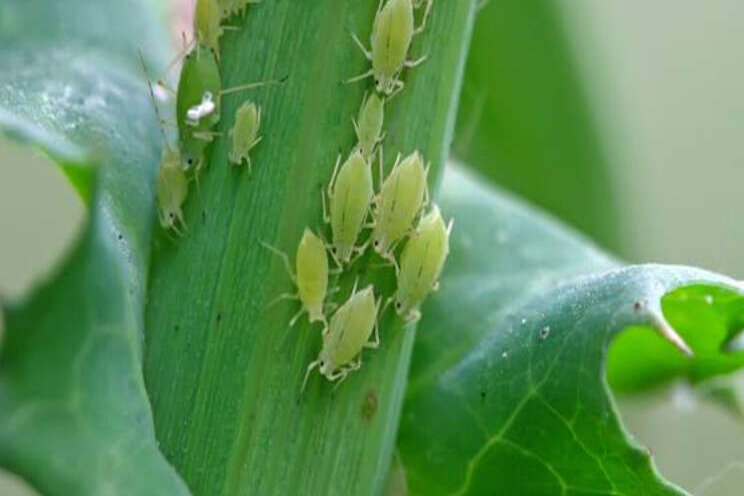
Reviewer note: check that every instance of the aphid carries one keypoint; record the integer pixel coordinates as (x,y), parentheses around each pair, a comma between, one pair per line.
(348,333)
(198,103)
(369,126)
(350,193)
(421,264)
(390,40)
(172,189)
(401,198)
(245,132)
(230,7)
(172,185)
(207,28)
(312,276)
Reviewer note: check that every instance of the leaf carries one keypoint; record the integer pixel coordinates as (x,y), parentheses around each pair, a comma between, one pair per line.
(507,391)
(74,414)
(524,120)
(706,318)
(222,368)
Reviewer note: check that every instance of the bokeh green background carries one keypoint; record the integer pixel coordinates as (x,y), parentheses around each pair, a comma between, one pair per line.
(664,85)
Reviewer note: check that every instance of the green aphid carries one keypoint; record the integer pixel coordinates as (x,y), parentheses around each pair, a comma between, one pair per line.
(350,193)
(172,189)
(392,33)
(198,103)
(244,133)
(311,279)
(421,264)
(207,24)
(347,334)
(402,196)
(230,7)
(369,126)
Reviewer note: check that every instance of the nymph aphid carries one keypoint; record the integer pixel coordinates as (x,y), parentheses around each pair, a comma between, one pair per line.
(402,196)
(369,126)
(207,29)
(350,192)
(198,103)
(392,33)
(172,189)
(348,333)
(311,280)
(421,264)
(244,133)
(230,7)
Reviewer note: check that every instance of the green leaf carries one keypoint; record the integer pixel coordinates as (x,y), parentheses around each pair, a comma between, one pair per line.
(524,120)
(222,368)
(74,414)
(507,391)
(706,318)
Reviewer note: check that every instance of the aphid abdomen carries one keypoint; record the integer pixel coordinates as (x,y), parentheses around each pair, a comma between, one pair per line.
(350,200)
(312,274)
(172,189)
(369,127)
(245,132)
(199,75)
(354,323)
(400,200)
(391,37)
(207,17)
(422,262)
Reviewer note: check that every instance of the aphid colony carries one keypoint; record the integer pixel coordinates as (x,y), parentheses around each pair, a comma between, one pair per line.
(198,111)
(396,215)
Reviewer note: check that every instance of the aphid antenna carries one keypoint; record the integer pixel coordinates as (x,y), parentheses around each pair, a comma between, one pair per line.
(330,248)
(250,86)
(187,46)
(152,99)
(425,18)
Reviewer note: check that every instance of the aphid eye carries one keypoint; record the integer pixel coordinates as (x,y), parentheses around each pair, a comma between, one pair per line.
(398,305)
(377,243)
(334,250)
(171,215)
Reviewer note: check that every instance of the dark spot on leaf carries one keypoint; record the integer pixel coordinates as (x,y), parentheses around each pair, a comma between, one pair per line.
(176,328)
(483,395)
(219,317)
(369,405)
(637,306)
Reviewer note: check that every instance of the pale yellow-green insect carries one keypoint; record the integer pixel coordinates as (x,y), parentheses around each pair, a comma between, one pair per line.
(392,33)
(347,334)
(350,193)
(172,189)
(311,280)
(421,264)
(207,28)
(401,198)
(369,125)
(245,133)
(230,7)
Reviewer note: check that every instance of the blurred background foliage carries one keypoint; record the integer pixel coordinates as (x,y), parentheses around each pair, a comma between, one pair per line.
(623,118)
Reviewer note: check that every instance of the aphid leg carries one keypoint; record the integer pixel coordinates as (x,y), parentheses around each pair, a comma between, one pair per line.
(354,288)
(333,176)
(344,372)
(375,343)
(206,135)
(310,368)
(435,287)
(296,317)
(415,62)
(450,225)
(284,258)
(250,86)
(398,87)
(283,296)
(425,18)
(364,75)
(367,53)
